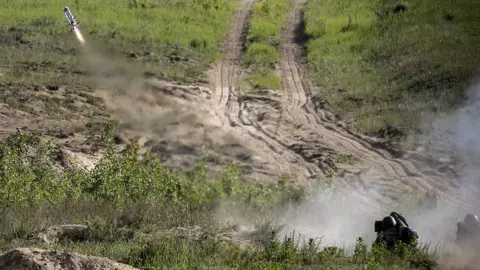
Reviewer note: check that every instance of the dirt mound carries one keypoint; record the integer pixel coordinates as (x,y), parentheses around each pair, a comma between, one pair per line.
(39,259)
(70,232)
(243,237)
(84,161)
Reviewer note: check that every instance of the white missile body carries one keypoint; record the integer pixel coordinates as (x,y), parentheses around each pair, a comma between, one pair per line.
(70,18)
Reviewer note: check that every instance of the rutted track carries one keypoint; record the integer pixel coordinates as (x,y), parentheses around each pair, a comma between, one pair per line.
(398,173)
(306,137)
(228,105)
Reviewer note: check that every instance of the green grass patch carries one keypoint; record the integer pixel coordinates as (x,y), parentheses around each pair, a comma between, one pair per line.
(380,63)
(174,37)
(265,80)
(263,42)
(261,55)
(278,254)
(343,158)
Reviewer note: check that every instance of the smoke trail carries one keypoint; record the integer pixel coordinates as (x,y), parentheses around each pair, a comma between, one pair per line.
(79,35)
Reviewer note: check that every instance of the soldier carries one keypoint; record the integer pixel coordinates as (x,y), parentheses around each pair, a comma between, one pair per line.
(392,229)
(468,235)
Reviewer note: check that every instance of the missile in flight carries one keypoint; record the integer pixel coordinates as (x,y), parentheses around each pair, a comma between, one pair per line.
(70,18)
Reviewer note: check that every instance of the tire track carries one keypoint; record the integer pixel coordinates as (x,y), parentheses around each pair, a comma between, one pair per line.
(299,106)
(297,98)
(230,108)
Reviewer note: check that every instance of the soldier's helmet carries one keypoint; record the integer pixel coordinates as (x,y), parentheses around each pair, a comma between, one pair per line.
(388,222)
(407,235)
(471,221)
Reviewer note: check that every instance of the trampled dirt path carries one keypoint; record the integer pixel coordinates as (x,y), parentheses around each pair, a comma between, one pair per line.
(293,135)
(229,106)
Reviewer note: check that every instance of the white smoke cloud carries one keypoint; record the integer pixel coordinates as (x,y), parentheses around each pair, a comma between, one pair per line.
(340,216)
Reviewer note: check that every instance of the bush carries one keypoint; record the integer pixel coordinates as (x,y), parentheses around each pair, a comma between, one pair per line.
(29,178)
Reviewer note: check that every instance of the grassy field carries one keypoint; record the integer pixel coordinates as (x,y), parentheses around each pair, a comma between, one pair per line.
(127,203)
(263,42)
(172,39)
(382,63)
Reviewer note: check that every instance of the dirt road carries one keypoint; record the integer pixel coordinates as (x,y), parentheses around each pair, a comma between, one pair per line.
(293,135)
(231,108)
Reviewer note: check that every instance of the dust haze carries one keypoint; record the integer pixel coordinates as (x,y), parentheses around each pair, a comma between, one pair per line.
(460,131)
(335,216)
(456,133)
(339,215)
(172,120)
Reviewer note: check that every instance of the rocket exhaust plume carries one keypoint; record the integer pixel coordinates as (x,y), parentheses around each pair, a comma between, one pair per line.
(79,35)
(73,22)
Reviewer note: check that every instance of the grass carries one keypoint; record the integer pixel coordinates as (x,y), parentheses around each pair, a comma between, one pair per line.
(378,67)
(128,199)
(181,38)
(263,42)
(343,158)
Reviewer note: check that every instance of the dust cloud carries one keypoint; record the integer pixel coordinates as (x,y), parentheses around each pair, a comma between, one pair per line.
(459,134)
(172,120)
(336,217)
(456,135)
(339,215)
(127,96)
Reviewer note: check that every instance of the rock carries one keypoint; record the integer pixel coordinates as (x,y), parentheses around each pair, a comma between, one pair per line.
(118,139)
(194,233)
(240,236)
(269,92)
(70,232)
(86,162)
(445,160)
(52,87)
(39,259)
(400,8)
